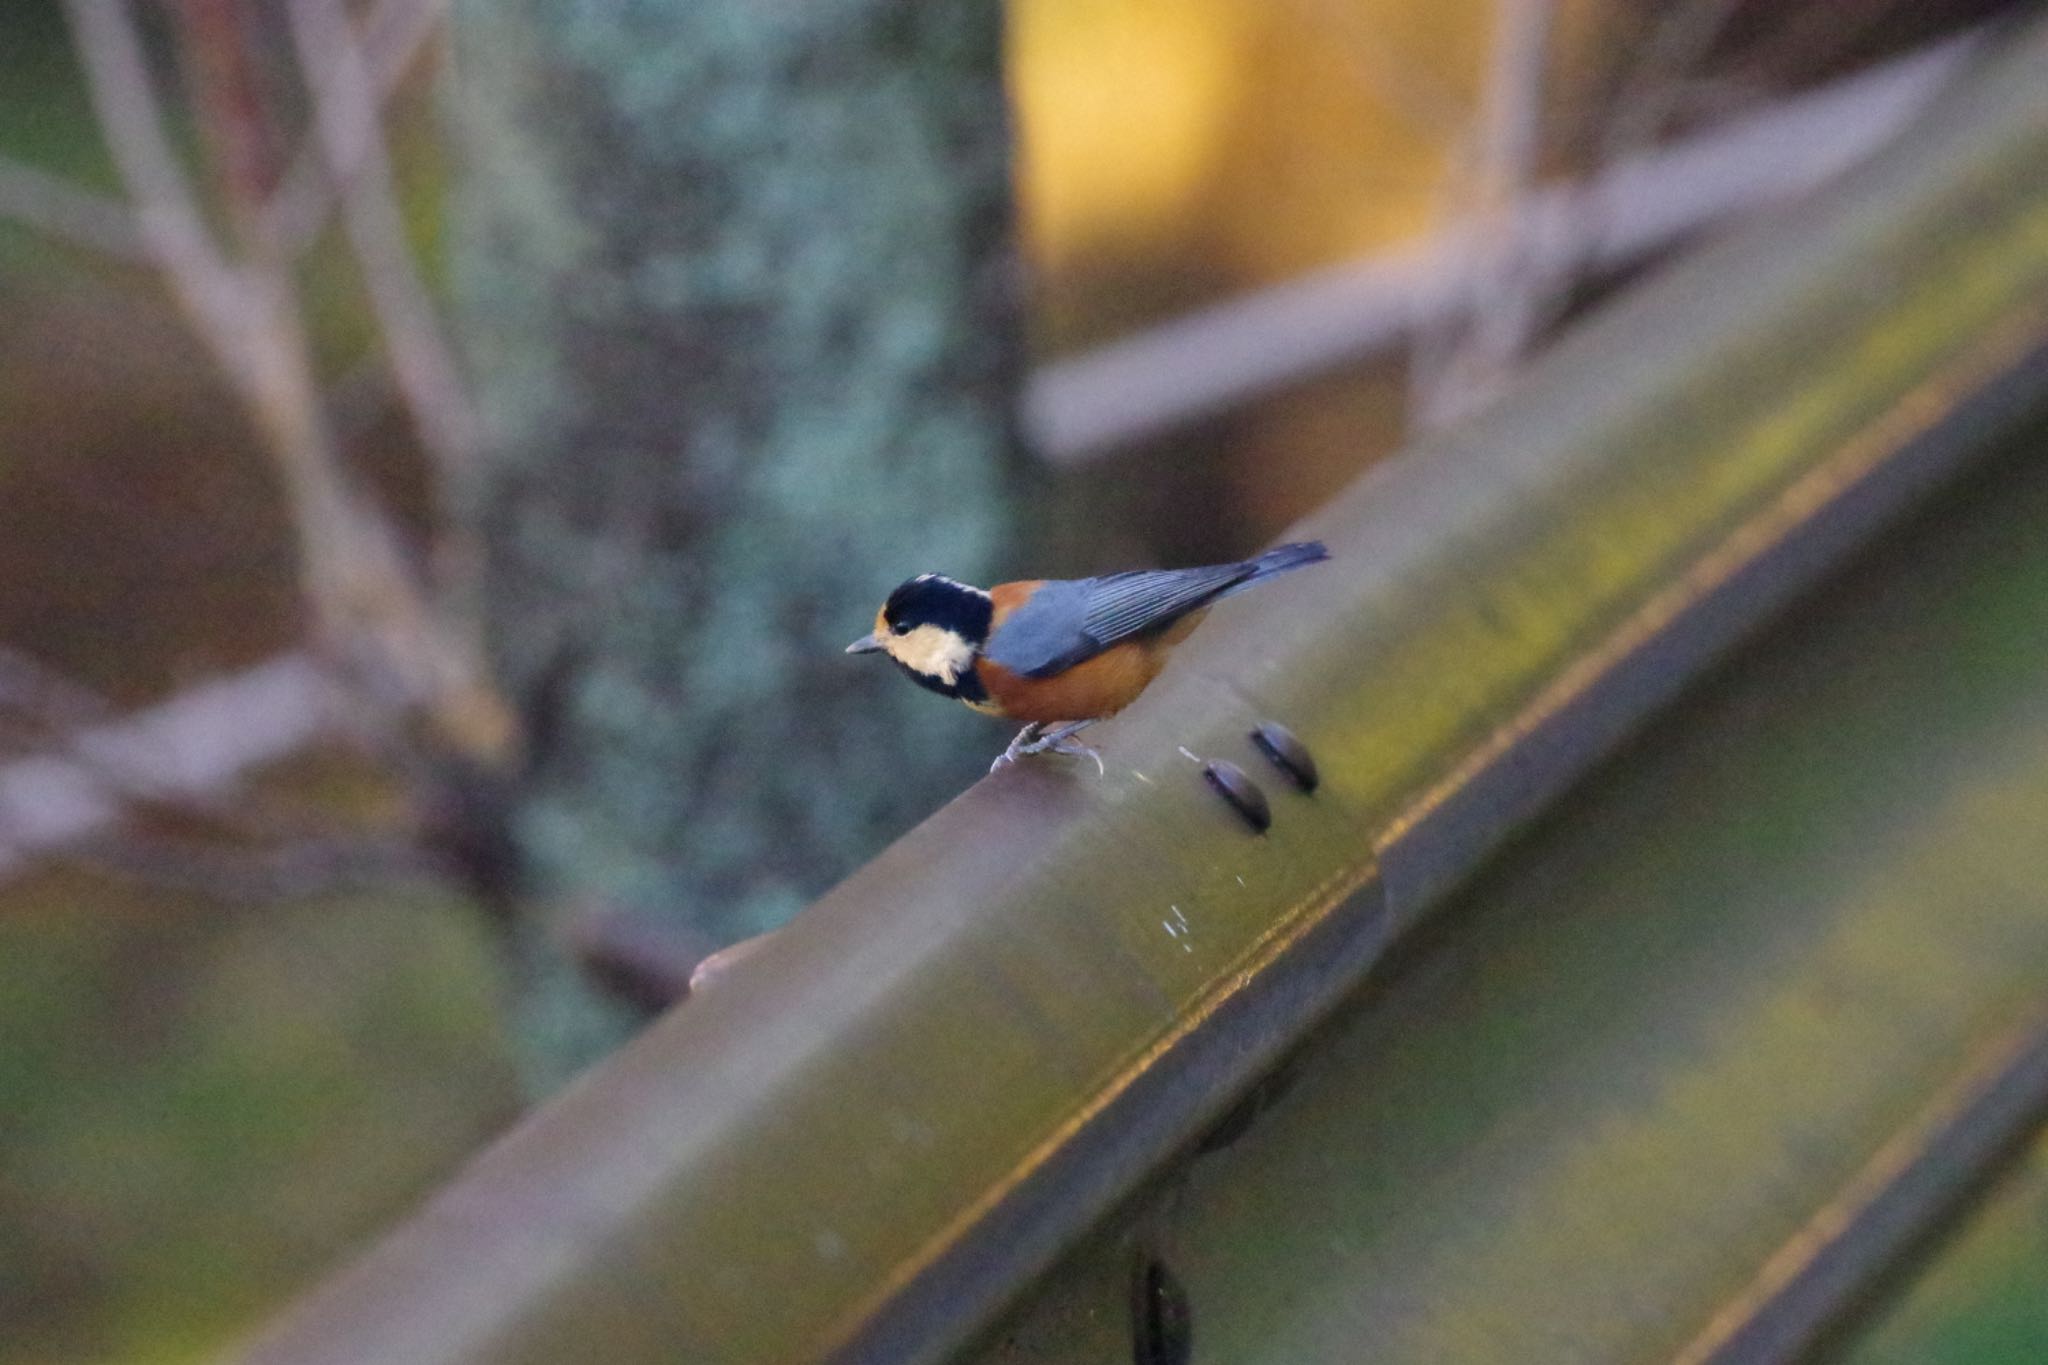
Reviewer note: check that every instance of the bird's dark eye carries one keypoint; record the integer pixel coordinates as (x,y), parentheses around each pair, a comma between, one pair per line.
(901,627)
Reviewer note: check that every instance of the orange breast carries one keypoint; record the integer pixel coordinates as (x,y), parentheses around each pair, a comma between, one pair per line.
(1097,687)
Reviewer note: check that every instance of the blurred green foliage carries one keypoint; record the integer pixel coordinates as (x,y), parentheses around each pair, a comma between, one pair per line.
(200,1109)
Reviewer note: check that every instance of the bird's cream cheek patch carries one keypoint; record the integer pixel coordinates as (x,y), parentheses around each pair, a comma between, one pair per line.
(932,650)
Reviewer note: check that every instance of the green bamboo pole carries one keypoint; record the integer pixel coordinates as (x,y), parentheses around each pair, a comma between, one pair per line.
(895,1114)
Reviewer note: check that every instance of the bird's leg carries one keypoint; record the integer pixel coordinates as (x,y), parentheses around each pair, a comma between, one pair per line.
(1060,740)
(1020,745)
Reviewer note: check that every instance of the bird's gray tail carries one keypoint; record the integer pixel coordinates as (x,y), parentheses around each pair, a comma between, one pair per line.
(1279,560)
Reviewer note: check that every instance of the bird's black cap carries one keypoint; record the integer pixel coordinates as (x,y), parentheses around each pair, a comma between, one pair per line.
(933,600)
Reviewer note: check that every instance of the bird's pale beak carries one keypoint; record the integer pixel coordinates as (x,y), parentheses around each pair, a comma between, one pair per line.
(866,644)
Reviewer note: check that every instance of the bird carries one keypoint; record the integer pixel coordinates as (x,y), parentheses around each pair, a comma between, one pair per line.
(1057,654)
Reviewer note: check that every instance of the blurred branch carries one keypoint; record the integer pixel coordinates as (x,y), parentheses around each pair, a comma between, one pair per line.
(174,236)
(183,750)
(48,703)
(1525,302)
(102,781)
(232,112)
(1487,335)
(54,206)
(55,716)
(1655,84)
(373,614)
(395,36)
(1211,360)
(1511,126)
(346,121)
(397,32)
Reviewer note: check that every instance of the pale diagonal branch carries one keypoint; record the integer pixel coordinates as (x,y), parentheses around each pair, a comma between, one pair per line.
(1488,335)
(166,212)
(1656,82)
(373,613)
(397,33)
(185,749)
(55,207)
(351,138)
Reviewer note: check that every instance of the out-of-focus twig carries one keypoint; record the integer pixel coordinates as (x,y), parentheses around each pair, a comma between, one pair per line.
(713,968)
(373,613)
(192,747)
(49,704)
(94,781)
(166,212)
(54,206)
(1485,338)
(345,117)
(1657,81)
(234,114)
(49,714)
(396,34)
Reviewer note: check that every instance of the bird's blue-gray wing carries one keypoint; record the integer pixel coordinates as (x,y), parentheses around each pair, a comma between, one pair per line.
(1066,622)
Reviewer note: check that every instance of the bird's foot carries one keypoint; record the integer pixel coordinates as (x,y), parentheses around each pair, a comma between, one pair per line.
(1059,740)
(1020,745)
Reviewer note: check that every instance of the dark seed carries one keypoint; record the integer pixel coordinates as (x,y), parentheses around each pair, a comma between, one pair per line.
(1287,753)
(1241,792)
(1162,1319)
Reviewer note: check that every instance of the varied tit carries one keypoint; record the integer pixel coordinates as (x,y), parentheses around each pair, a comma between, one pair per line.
(1058,653)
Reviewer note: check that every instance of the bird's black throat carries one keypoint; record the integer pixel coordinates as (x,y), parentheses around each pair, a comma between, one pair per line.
(966,687)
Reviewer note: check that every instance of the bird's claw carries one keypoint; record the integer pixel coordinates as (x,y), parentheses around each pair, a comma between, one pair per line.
(1061,741)
(1074,748)
(1020,745)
